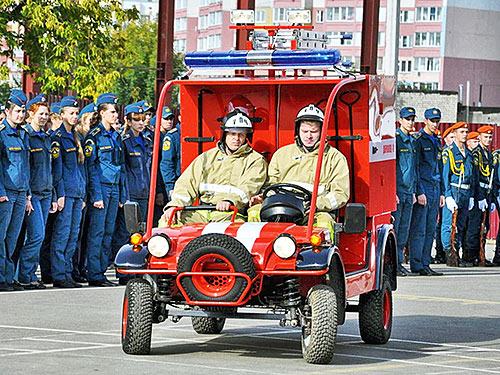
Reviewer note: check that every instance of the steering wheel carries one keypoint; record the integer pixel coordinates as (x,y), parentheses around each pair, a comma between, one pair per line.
(298,191)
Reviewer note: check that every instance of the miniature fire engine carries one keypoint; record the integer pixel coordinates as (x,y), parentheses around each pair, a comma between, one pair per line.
(302,276)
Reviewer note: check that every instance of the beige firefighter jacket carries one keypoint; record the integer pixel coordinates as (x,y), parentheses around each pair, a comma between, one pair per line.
(292,165)
(215,176)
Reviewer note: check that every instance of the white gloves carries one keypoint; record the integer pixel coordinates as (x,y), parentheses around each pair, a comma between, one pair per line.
(471,203)
(451,204)
(482,204)
(493,207)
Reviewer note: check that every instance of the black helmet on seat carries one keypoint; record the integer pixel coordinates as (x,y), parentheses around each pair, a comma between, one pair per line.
(283,208)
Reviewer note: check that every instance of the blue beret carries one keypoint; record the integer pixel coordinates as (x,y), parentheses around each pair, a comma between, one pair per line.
(133,108)
(167,112)
(69,101)
(40,98)
(89,108)
(152,121)
(407,112)
(108,97)
(18,97)
(432,113)
(145,105)
(55,107)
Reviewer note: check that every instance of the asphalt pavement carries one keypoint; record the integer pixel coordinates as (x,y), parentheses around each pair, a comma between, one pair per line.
(442,325)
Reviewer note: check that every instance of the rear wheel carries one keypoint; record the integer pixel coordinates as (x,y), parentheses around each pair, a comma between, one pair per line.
(137,317)
(320,331)
(375,315)
(210,326)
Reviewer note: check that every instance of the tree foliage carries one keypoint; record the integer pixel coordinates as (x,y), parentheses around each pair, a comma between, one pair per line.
(71,44)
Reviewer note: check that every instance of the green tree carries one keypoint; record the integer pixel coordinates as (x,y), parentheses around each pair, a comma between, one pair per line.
(68,41)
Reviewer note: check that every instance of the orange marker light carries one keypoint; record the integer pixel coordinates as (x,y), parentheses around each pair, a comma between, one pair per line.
(315,240)
(136,239)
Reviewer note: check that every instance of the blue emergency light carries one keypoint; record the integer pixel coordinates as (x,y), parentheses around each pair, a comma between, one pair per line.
(257,58)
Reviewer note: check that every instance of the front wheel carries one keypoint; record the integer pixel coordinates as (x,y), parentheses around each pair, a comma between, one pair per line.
(375,315)
(320,331)
(137,317)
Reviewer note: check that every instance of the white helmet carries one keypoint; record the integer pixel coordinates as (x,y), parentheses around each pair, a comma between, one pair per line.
(237,122)
(310,113)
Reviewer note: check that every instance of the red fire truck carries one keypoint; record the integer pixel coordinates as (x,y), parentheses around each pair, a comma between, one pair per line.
(300,275)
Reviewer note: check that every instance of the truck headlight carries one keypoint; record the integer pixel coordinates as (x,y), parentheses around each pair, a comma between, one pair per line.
(284,246)
(159,245)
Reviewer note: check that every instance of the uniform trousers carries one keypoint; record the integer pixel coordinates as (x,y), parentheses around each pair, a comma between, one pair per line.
(11,219)
(29,257)
(402,219)
(474,232)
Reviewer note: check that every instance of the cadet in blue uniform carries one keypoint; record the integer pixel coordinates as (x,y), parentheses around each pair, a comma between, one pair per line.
(107,186)
(496,198)
(170,164)
(69,181)
(14,184)
(43,197)
(405,182)
(429,198)
(458,180)
(483,168)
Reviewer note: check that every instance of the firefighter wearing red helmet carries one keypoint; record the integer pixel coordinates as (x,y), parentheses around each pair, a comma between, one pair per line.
(296,164)
(226,175)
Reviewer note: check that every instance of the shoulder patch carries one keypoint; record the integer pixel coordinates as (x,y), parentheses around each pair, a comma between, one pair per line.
(417,135)
(172,131)
(166,144)
(2,127)
(147,138)
(58,133)
(94,131)
(55,149)
(89,147)
(125,137)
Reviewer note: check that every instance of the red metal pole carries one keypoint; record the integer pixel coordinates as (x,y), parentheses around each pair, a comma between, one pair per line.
(165,47)
(154,166)
(322,142)
(242,35)
(369,36)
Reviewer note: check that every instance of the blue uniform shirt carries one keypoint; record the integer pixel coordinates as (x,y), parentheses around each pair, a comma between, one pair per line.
(69,175)
(105,162)
(40,162)
(137,164)
(170,164)
(405,164)
(15,150)
(483,167)
(455,164)
(428,155)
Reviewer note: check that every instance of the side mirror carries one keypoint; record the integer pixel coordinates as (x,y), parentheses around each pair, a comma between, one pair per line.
(132,213)
(355,218)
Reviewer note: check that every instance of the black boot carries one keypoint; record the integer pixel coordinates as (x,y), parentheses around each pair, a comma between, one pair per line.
(451,257)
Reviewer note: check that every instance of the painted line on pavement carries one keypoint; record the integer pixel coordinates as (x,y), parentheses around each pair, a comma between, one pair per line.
(445,299)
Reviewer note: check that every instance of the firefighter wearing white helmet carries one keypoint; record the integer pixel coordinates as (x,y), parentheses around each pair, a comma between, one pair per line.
(296,164)
(226,175)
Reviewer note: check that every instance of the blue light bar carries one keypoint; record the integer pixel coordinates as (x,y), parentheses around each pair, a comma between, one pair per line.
(263,58)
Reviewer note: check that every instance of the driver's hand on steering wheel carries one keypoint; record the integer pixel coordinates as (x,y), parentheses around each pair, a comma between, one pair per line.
(168,212)
(256,199)
(223,206)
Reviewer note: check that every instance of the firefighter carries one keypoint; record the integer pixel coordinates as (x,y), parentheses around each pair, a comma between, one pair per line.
(429,198)
(14,184)
(483,167)
(226,175)
(458,179)
(405,182)
(107,186)
(296,164)
(170,165)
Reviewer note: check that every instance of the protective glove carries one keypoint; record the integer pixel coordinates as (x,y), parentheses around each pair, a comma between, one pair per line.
(482,204)
(471,203)
(451,204)
(493,207)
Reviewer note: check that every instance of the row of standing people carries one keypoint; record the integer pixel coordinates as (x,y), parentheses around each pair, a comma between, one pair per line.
(452,182)
(79,167)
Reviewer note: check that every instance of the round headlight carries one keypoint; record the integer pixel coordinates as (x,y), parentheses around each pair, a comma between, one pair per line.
(159,245)
(284,246)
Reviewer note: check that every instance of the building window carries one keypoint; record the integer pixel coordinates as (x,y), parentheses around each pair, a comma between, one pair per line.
(406,16)
(280,15)
(203,22)
(429,14)
(381,14)
(214,41)
(180,45)
(260,16)
(215,18)
(180,24)
(319,16)
(427,39)
(335,39)
(181,4)
(427,64)
(380,63)
(426,85)
(340,13)
(381,38)
(405,41)
(404,66)
(204,3)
